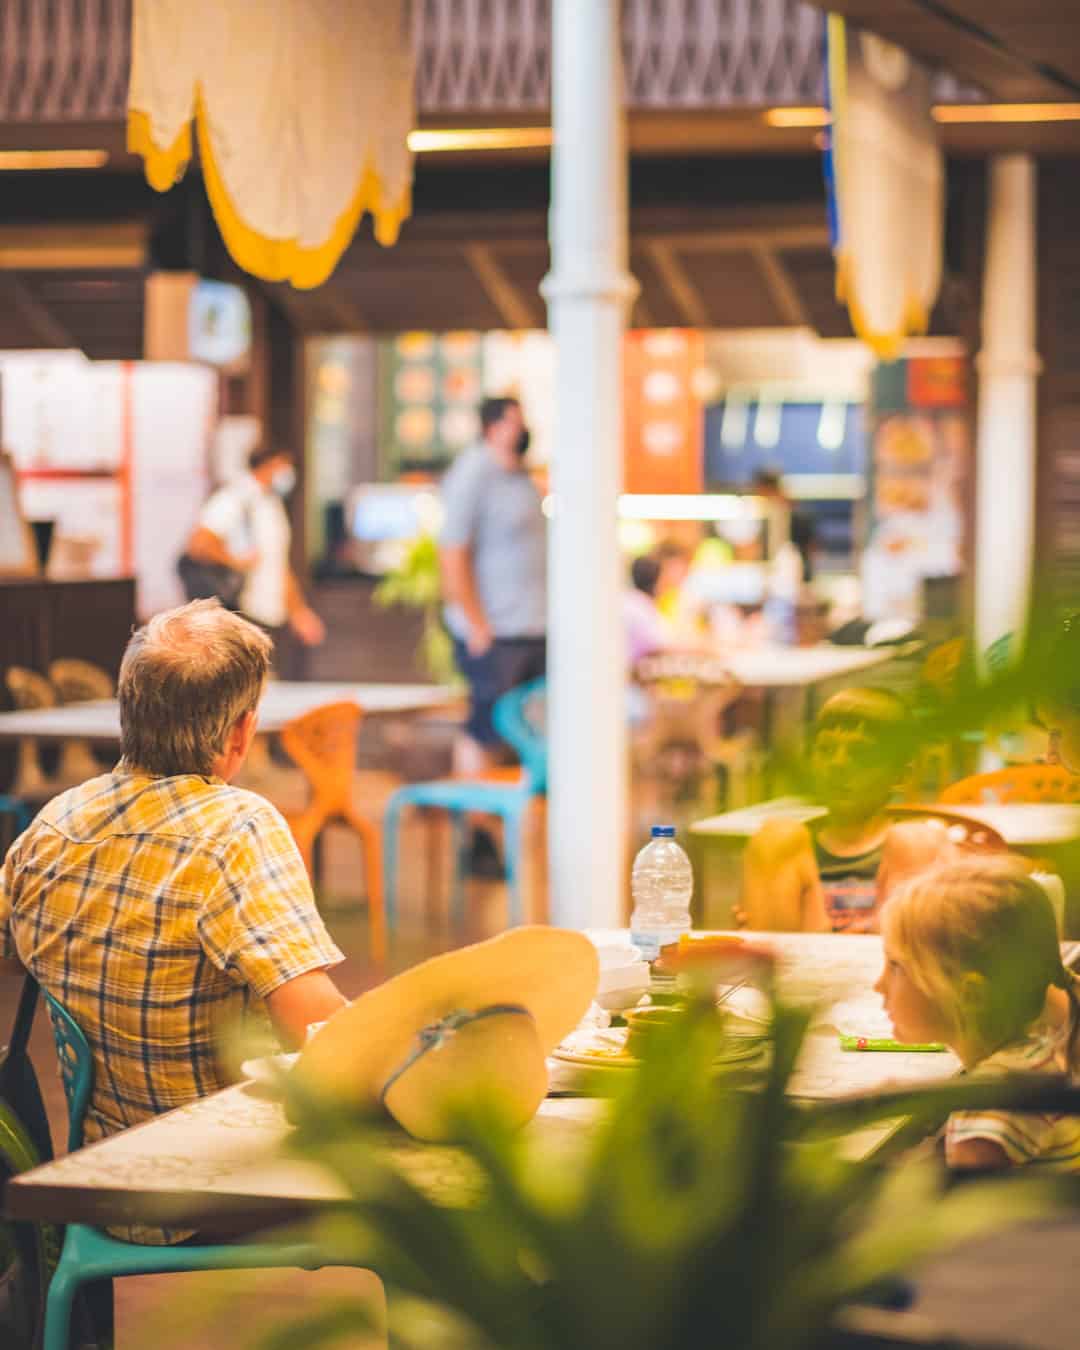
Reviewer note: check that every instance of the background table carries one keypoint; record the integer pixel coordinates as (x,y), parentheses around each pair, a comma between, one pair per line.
(99,721)
(772,666)
(1045,830)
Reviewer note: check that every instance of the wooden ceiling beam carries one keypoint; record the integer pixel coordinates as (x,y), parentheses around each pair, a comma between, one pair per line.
(53,248)
(514,310)
(781,288)
(948,39)
(344,308)
(39,318)
(678,284)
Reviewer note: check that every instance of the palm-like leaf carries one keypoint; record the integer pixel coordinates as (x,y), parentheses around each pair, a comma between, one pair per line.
(701,1208)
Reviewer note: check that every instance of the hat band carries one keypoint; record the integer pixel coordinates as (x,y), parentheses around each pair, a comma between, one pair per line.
(436,1033)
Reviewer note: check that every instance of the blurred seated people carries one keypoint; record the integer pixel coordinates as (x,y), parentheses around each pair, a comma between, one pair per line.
(835,874)
(647,631)
(672,597)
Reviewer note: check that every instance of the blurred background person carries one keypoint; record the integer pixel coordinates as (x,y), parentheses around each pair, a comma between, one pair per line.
(245,526)
(493,558)
(493,555)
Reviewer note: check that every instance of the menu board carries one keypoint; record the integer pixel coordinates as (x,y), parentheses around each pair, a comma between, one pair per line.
(50,420)
(430,385)
(664,414)
(919,471)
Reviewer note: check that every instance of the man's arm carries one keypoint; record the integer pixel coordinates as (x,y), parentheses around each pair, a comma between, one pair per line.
(207,547)
(297,1004)
(303,620)
(459,588)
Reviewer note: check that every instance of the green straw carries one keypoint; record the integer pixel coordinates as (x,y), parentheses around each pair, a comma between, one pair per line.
(866,1043)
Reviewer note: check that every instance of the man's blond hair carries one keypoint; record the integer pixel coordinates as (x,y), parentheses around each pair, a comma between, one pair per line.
(187,678)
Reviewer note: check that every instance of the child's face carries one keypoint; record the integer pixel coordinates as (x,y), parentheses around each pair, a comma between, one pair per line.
(916,1021)
(853,763)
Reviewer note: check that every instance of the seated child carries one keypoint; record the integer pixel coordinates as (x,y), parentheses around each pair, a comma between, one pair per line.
(972,959)
(834,875)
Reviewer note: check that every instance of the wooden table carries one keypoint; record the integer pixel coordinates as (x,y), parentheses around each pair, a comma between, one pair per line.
(772,666)
(99,721)
(224,1153)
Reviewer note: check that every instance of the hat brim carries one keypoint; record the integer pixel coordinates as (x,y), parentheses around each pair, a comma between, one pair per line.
(551,972)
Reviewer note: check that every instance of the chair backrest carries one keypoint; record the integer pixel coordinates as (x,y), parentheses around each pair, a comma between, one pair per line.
(1020,783)
(76,1067)
(520,716)
(322,743)
(974,835)
(29,690)
(80,681)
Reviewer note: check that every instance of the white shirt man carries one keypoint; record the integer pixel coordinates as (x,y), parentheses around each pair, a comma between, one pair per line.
(245,526)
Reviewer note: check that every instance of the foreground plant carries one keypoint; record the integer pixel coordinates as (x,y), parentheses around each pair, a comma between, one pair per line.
(699,1209)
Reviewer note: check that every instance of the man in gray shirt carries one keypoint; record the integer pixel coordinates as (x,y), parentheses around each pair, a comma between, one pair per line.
(493,551)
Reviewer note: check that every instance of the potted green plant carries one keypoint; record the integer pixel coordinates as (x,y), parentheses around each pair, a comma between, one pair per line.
(416,583)
(701,1209)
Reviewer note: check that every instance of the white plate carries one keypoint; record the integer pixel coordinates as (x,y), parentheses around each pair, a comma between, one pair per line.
(269,1069)
(618,1059)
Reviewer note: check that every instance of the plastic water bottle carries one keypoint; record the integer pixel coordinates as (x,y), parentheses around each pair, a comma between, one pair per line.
(661,884)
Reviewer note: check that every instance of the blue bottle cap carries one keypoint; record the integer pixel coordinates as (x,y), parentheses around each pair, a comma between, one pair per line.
(663,831)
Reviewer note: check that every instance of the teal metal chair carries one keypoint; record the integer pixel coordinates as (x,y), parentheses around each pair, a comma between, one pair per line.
(507,796)
(19,813)
(89,1254)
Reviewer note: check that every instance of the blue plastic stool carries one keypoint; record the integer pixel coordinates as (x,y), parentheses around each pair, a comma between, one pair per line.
(89,1254)
(460,796)
(12,806)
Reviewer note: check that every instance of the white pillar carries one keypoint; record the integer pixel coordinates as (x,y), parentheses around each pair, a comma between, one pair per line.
(588,292)
(1008,367)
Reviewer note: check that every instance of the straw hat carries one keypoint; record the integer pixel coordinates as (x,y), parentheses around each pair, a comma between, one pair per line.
(480,1020)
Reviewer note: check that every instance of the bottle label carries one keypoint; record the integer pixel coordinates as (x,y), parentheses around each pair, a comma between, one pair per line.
(648,944)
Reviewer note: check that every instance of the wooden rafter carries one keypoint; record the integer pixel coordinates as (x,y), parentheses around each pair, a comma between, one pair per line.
(781,288)
(679,287)
(43,323)
(514,310)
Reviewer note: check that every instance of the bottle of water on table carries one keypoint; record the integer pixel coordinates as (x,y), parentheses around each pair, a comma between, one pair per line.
(661,884)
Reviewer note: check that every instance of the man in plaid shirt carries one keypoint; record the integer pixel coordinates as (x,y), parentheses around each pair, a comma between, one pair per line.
(156,902)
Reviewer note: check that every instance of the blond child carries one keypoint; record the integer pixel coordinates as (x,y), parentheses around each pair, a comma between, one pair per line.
(972,959)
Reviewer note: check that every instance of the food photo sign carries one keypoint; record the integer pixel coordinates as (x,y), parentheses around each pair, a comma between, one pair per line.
(919,481)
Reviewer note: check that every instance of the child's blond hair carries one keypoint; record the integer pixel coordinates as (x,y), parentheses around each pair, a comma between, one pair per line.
(984,917)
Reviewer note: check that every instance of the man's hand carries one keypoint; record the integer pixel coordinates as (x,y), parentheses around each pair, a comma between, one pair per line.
(307,626)
(479,639)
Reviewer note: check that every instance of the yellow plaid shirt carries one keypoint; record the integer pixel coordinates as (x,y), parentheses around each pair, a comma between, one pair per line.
(155,910)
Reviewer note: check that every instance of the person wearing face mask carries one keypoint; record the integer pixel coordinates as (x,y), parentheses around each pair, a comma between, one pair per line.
(493,555)
(245,526)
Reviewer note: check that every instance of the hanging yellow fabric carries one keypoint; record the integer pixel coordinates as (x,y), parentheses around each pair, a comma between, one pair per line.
(302,110)
(887,181)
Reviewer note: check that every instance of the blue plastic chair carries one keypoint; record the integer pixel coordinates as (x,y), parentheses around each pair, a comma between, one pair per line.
(508,800)
(12,806)
(89,1254)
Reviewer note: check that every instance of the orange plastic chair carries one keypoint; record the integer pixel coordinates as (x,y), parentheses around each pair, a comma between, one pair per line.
(322,743)
(1021,783)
